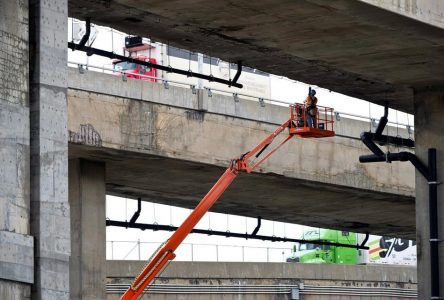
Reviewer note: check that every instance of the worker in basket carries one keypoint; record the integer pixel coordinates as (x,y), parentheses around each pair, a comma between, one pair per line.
(310,108)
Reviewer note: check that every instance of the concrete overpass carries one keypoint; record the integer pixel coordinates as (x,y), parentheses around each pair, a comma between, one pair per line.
(347,46)
(263,281)
(170,146)
(350,47)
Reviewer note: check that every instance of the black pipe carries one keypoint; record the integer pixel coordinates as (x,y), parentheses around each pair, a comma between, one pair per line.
(85,37)
(383,139)
(433,223)
(258,226)
(111,55)
(137,213)
(383,121)
(366,138)
(401,156)
(367,235)
(262,150)
(238,73)
(156,227)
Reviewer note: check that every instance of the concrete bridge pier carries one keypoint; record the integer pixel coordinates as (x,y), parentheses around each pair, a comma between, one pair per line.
(49,209)
(88,230)
(429,128)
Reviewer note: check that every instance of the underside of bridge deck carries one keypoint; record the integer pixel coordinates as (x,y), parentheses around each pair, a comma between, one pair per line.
(271,196)
(346,46)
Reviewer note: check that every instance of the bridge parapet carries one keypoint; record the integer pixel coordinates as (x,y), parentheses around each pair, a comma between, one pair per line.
(225,280)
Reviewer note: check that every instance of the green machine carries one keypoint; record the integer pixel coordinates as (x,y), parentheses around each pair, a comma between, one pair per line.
(326,254)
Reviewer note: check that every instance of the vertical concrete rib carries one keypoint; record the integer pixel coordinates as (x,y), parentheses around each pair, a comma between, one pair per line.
(50,216)
(88,230)
(429,124)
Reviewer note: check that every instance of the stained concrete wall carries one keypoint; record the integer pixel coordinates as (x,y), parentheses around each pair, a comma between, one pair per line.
(266,281)
(16,245)
(427,11)
(161,145)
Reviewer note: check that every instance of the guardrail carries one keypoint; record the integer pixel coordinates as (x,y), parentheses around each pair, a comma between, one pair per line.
(261,100)
(138,250)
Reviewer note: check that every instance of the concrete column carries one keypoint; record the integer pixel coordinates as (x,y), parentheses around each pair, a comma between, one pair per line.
(88,229)
(49,148)
(429,133)
(16,244)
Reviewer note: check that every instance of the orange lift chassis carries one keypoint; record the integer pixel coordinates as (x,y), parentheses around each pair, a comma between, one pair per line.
(296,125)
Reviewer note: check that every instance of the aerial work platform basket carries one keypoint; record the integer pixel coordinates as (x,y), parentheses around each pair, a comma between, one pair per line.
(309,122)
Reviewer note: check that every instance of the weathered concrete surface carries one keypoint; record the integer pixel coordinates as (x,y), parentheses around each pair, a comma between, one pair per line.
(337,281)
(16,257)
(427,11)
(350,47)
(88,233)
(14,290)
(49,149)
(174,153)
(429,111)
(16,245)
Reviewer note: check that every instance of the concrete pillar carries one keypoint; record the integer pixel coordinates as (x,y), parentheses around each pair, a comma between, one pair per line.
(88,229)
(49,148)
(16,243)
(429,133)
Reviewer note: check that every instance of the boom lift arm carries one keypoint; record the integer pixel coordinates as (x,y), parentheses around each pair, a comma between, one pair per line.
(165,253)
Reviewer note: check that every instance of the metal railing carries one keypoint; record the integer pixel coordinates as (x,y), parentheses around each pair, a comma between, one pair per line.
(261,100)
(138,250)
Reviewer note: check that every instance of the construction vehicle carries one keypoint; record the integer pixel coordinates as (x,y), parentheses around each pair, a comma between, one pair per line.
(136,48)
(247,162)
(383,250)
(315,253)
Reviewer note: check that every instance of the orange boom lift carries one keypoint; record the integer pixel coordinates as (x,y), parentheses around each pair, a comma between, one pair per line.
(296,125)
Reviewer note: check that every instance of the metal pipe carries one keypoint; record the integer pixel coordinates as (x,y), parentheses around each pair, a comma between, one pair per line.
(383,139)
(137,213)
(433,223)
(111,55)
(85,37)
(401,156)
(258,226)
(367,235)
(156,227)
(383,121)
(366,138)
(239,71)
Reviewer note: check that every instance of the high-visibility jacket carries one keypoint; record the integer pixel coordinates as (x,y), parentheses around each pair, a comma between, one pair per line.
(309,101)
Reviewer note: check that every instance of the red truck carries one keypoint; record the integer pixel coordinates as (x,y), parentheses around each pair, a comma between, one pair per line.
(137,49)
(133,70)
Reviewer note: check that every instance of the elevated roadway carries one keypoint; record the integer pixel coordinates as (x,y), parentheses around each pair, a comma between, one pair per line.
(266,281)
(170,146)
